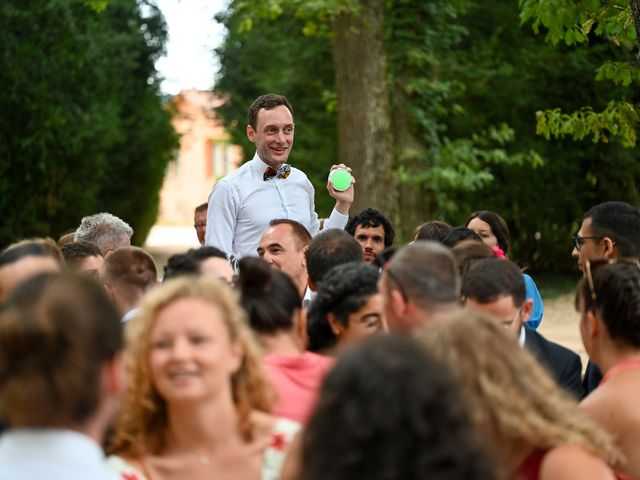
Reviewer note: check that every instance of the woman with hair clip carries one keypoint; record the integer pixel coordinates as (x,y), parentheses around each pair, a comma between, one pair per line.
(60,378)
(494,232)
(197,406)
(347,308)
(534,428)
(608,299)
(272,303)
(390,411)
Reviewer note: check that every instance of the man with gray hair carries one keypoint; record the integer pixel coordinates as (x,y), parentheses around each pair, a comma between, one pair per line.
(105,230)
(419,285)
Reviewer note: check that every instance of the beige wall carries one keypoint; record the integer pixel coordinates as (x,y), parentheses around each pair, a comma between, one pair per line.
(205,155)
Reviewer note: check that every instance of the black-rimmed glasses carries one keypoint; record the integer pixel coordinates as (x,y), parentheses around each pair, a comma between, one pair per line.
(578,241)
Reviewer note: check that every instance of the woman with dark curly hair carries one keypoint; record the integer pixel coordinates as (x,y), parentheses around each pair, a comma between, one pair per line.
(388,410)
(347,308)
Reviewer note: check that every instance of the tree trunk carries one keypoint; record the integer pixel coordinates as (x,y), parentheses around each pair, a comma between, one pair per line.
(364,133)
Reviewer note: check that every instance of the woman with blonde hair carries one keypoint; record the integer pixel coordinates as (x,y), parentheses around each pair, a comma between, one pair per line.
(536,429)
(197,405)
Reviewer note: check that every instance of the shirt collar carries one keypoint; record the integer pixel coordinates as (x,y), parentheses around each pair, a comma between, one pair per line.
(522,337)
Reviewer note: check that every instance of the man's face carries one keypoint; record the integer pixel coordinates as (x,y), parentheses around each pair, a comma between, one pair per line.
(217,267)
(200,223)
(91,266)
(279,248)
(591,248)
(273,135)
(371,239)
(504,310)
(389,308)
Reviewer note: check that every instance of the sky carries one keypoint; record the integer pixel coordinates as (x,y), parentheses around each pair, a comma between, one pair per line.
(193,34)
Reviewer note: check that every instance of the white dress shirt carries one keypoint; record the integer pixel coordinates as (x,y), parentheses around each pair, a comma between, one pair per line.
(52,454)
(242,204)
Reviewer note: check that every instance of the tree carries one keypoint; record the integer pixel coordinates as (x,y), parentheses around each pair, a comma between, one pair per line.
(580,23)
(84,128)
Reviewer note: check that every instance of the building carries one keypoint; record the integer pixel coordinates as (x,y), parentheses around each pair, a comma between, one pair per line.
(205,155)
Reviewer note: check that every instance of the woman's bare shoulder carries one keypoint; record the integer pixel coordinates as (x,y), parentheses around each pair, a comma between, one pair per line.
(573,461)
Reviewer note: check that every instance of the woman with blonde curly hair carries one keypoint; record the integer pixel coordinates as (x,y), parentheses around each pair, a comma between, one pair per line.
(536,429)
(197,405)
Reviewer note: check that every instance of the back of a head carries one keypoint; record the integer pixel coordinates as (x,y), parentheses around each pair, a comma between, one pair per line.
(75,252)
(498,225)
(179,265)
(511,395)
(269,297)
(459,234)
(105,230)
(203,253)
(434,230)
(389,388)
(491,278)
(468,253)
(131,271)
(371,218)
(23,260)
(57,331)
(328,249)
(428,274)
(344,290)
(619,221)
(616,289)
(48,244)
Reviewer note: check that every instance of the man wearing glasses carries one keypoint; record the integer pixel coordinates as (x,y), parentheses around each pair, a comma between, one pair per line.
(496,287)
(610,230)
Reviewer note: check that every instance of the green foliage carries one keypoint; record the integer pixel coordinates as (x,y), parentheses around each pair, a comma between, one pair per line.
(581,22)
(84,129)
(619,119)
(290,63)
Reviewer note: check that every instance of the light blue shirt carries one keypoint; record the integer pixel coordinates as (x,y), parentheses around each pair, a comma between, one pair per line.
(51,454)
(531,292)
(242,204)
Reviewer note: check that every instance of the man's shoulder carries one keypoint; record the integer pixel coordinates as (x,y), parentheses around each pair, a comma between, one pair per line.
(551,349)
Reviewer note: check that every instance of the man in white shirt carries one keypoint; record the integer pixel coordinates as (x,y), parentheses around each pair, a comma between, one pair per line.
(242,203)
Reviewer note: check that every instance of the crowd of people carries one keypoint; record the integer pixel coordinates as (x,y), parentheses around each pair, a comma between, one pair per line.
(288,348)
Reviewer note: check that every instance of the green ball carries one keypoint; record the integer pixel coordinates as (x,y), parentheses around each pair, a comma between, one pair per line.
(341,179)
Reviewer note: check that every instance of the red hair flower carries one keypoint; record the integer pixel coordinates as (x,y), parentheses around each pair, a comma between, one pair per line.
(499,252)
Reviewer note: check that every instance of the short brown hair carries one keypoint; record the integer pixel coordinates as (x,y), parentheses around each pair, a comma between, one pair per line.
(57,331)
(75,252)
(268,101)
(303,237)
(131,270)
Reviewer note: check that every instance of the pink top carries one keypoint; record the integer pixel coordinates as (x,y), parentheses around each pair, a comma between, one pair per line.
(297,379)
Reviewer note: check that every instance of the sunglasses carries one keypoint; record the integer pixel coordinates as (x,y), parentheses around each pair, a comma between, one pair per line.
(593,265)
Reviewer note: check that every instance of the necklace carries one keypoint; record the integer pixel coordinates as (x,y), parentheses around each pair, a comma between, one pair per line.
(623,366)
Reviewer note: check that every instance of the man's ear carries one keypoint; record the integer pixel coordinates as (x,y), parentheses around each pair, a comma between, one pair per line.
(398,305)
(251,133)
(304,256)
(608,246)
(527,308)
